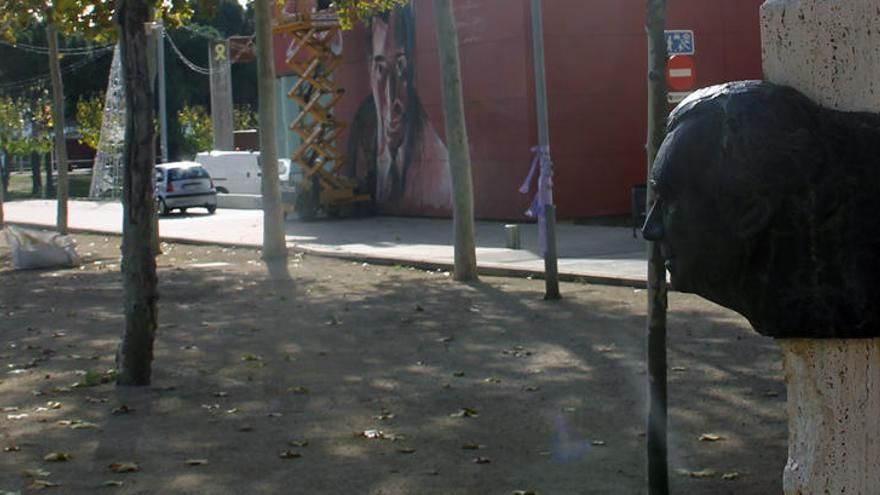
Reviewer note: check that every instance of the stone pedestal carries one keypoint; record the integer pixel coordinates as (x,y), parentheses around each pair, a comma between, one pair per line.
(830,51)
(833,416)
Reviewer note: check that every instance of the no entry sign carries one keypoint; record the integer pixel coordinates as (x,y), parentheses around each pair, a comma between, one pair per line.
(681,73)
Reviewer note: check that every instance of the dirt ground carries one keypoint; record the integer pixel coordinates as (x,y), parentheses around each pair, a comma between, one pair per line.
(363,379)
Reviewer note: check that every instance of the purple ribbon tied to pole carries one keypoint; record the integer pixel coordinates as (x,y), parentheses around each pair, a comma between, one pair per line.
(544,194)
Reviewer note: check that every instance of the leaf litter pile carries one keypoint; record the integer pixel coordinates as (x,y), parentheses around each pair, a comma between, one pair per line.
(359,378)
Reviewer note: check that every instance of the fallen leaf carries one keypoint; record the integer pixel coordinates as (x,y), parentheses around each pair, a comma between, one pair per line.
(465,412)
(15,417)
(83,425)
(730,476)
(12,448)
(124,467)
(245,428)
(221,394)
(232,411)
(471,446)
(35,473)
(458,373)
(41,484)
(298,443)
(251,357)
(289,454)
(406,450)
(678,368)
(531,389)
(711,437)
(385,416)
(123,409)
(598,443)
(524,492)
(492,379)
(57,457)
(482,460)
(274,415)
(703,473)
(196,462)
(9,409)
(446,340)
(54,404)
(113,483)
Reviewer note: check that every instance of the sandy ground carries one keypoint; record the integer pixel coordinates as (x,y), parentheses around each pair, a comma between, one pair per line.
(278,387)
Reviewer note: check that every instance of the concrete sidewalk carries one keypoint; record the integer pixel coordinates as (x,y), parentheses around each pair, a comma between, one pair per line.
(589,253)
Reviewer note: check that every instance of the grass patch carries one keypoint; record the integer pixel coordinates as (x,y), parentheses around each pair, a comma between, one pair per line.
(20,185)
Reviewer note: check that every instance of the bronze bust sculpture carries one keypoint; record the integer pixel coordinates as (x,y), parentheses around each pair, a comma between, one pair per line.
(767,203)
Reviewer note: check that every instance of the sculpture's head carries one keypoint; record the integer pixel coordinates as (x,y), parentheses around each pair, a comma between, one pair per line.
(756,207)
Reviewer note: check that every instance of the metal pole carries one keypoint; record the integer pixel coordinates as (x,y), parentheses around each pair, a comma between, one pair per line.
(163,115)
(550,266)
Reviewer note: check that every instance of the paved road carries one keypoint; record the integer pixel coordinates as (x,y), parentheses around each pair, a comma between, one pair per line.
(599,254)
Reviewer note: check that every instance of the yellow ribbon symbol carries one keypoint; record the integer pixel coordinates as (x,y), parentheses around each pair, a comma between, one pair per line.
(219,52)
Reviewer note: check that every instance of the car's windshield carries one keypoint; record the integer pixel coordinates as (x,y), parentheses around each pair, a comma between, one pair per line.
(187,173)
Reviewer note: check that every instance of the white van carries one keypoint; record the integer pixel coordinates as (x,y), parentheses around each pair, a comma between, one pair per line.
(238,172)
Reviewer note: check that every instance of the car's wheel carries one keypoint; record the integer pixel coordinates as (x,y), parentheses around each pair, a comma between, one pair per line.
(211,209)
(163,208)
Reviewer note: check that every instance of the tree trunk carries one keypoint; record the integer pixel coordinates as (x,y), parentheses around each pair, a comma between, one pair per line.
(457,143)
(5,171)
(274,247)
(135,354)
(2,196)
(58,121)
(49,188)
(36,178)
(658,470)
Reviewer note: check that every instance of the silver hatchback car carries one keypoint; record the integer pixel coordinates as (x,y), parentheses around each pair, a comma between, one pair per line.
(182,185)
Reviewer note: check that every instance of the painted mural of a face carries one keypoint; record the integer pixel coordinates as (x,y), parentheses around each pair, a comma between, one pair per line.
(393,149)
(390,79)
(766,204)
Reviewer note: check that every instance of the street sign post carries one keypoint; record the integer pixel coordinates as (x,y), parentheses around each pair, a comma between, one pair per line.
(681,73)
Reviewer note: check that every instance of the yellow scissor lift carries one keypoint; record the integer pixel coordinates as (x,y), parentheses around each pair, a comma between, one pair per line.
(313,60)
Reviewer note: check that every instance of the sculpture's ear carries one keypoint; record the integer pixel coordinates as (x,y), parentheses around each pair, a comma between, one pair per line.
(755,219)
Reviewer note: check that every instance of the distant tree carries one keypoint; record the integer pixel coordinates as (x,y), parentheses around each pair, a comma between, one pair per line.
(352,11)
(93,19)
(196,130)
(244,117)
(89,114)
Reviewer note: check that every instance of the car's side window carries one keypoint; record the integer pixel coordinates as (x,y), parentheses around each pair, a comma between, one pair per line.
(159,176)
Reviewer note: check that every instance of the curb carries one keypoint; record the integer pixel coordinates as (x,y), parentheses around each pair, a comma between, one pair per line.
(489,270)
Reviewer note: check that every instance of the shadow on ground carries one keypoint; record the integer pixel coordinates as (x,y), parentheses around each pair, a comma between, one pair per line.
(478,388)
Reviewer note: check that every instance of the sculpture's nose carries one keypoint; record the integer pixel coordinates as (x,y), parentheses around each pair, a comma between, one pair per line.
(653,228)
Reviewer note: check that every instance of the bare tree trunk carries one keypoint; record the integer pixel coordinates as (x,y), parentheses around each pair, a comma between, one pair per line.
(274,247)
(658,469)
(49,188)
(2,196)
(36,178)
(135,354)
(457,143)
(58,121)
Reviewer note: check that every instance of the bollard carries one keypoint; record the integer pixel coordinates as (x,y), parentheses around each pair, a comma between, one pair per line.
(512,232)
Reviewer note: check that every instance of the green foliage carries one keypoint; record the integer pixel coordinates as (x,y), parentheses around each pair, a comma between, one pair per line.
(352,11)
(25,125)
(244,117)
(196,129)
(89,113)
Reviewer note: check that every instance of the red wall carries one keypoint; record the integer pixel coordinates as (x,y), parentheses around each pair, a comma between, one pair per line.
(596,63)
